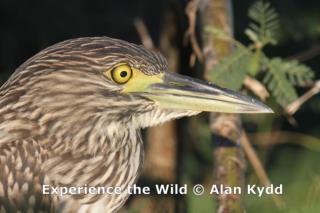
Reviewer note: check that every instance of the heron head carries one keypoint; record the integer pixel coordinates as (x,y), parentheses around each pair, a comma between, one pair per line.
(124,81)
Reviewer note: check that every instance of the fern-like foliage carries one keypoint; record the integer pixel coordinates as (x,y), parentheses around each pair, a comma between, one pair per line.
(231,70)
(222,35)
(278,83)
(265,23)
(279,76)
(298,74)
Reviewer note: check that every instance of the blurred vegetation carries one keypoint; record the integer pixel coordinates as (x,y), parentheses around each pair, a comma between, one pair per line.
(285,58)
(293,164)
(279,75)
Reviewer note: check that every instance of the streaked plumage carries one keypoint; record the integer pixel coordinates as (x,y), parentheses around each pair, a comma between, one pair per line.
(63,122)
(59,124)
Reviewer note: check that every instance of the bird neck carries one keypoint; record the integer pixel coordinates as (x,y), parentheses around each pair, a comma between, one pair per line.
(79,128)
(83,134)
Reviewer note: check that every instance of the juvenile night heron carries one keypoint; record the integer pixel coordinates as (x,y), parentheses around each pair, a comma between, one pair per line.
(70,117)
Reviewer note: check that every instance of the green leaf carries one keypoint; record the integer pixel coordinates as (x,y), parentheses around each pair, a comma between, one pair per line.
(221,34)
(252,35)
(278,83)
(262,30)
(298,74)
(231,70)
(254,65)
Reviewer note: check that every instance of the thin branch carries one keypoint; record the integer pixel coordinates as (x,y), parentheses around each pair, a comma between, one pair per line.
(268,139)
(258,167)
(295,106)
(307,54)
(191,11)
(256,87)
(143,33)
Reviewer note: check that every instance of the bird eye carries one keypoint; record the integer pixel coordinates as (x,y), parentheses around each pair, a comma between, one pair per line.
(121,74)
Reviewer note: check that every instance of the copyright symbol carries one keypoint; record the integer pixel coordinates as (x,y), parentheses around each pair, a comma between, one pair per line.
(198,189)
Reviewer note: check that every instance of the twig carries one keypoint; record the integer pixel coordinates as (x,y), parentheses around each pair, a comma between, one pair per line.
(280,137)
(307,54)
(258,167)
(256,87)
(143,33)
(295,106)
(191,11)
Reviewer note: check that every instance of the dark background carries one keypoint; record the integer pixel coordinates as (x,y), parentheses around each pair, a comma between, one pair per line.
(26,27)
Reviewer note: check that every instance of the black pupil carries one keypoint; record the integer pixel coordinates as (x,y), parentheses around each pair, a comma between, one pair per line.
(123,74)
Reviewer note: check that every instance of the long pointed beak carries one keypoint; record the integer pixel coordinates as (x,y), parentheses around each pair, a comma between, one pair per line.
(181,92)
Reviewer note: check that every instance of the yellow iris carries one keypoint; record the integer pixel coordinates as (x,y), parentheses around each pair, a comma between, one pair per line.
(121,74)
